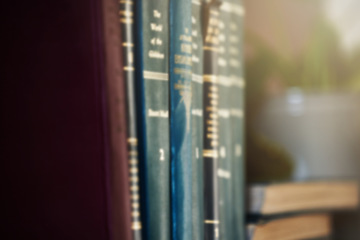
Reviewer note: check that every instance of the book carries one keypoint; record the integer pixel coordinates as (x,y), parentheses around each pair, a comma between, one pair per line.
(237,95)
(226,205)
(180,70)
(296,227)
(197,122)
(152,63)
(210,117)
(66,158)
(290,197)
(119,202)
(126,19)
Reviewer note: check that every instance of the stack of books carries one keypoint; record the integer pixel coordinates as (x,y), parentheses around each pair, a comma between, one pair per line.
(297,210)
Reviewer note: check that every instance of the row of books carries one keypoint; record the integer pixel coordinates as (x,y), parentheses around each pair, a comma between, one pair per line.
(179,80)
(127,121)
(115,129)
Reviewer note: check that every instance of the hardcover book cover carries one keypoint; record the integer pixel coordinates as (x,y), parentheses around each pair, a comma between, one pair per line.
(66,169)
(226,205)
(126,20)
(152,74)
(236,68)
(197,122)
(180,118)
(210,128)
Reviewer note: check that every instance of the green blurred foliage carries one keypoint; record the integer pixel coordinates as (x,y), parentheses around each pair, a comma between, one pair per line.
(321,67)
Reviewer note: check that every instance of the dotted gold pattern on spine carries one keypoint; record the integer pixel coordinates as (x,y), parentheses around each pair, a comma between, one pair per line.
(210,81)
(126,20)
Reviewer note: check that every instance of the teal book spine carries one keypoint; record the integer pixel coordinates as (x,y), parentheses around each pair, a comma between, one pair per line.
(225,178)
(126,20)
(152,77)
(197,122)
(211,31)
(180,73)
(236,68)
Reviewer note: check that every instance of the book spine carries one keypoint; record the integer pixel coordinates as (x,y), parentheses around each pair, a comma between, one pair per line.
(210,108)
(197,122)
(126,19)
(226,206)
(119,210)
(180,61)
(236,68)
(153,99)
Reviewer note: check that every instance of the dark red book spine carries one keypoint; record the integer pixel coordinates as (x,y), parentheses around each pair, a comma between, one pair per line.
(116,97)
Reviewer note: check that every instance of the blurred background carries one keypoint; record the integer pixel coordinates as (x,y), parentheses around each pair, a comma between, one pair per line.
(302,66)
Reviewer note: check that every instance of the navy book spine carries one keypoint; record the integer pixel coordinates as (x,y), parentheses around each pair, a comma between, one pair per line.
(151,59)
(126,20)
(197,122)
(210,107)
(180,73)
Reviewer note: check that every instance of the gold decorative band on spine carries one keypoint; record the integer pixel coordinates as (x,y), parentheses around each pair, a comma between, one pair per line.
(213,88)
(136,225)
(127,44)
(134,179)
(212,129)
(133,161)
(129,68)
(214,102)
(135,214)
(208,48)
(214,143)
(126,13)
(135,205)
(126,20)
(132,141)
(126,2)
(213,116)
(212,136)
(133,170)
(210,153)
(211,109)
(210,78)
(135,197)
(208,221)
(156,75)
(212,122)
(213,95)
(134,188)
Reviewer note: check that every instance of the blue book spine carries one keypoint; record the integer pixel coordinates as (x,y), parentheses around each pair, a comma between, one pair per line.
(152,78)
(180,63)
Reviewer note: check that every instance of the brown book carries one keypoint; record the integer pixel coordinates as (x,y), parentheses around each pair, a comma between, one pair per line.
(296,227)
(302,196)
(63,130)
